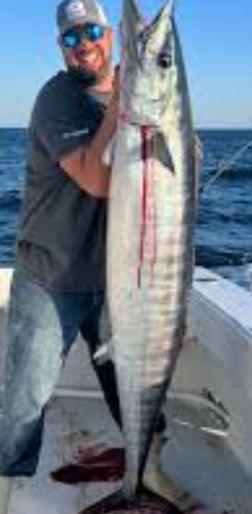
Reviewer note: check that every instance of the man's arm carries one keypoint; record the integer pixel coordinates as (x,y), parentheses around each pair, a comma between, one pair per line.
(85,165)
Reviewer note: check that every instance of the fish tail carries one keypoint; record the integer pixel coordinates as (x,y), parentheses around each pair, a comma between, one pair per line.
(144,497)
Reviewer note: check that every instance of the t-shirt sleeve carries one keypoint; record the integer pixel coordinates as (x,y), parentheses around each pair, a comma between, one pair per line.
(62,122)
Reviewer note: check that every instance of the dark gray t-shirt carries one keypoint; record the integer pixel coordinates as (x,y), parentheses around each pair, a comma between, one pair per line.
(61,241)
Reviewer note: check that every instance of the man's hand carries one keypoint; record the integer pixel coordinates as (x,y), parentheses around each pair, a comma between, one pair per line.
(112,116)
(112,110)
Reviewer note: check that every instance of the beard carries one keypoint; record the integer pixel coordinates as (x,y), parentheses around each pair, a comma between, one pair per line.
(85,77)
(89,78)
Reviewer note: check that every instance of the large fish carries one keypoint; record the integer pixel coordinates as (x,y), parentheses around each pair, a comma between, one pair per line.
(150,243)
(152,208)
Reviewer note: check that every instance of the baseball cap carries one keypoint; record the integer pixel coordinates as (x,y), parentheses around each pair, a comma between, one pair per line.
(76,12)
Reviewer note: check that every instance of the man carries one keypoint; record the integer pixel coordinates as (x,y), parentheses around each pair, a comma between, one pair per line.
(58,283)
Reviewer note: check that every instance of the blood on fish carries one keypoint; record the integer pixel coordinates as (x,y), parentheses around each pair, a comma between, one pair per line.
(148,198)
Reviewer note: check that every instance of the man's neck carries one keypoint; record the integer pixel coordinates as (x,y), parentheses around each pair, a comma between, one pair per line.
(105,85)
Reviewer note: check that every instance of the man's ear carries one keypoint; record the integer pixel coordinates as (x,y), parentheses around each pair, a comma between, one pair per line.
(62,49)
(110,37)
(111,34)
(59,42)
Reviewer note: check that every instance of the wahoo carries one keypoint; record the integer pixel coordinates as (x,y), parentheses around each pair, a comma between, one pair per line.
(152,208)
(150,244)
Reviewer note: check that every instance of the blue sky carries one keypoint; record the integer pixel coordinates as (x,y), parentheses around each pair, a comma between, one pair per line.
(216,38)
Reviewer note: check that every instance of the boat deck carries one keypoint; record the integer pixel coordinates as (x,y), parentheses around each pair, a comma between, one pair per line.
(196,455)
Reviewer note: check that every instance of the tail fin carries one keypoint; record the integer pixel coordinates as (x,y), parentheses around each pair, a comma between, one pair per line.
(144,499)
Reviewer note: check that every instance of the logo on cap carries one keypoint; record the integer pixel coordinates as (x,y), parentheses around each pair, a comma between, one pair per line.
(75,10)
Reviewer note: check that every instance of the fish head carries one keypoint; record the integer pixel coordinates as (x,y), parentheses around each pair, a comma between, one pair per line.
(146,64)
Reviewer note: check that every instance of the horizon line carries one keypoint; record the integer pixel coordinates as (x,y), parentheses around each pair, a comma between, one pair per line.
(219,127)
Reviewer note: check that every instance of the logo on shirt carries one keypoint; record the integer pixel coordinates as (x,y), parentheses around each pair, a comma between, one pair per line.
(75,10)
(75,133)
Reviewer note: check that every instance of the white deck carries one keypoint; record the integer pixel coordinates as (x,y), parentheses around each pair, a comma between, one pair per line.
(200,462)
(209,410)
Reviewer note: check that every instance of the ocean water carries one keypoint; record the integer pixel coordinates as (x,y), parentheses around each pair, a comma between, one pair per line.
(224,224)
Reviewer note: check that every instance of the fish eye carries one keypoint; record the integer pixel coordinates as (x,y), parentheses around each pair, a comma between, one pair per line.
(164,60)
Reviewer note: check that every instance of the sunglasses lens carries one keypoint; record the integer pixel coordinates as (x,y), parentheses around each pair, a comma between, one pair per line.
(71,39)
(94,32)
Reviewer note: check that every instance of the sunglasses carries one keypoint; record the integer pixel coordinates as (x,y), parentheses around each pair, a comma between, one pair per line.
(90,31)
